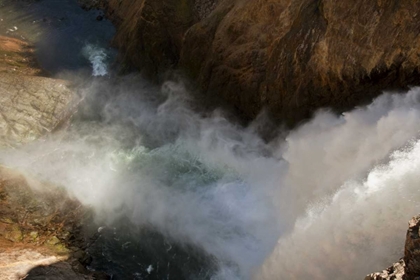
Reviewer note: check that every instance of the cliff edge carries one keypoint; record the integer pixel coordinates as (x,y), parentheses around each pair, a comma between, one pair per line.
(291,57)
(407,268)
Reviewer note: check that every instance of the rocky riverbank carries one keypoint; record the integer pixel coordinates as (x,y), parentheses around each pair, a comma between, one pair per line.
(40,226)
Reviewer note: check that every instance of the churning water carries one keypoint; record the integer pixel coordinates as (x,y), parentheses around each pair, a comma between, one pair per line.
(189,195)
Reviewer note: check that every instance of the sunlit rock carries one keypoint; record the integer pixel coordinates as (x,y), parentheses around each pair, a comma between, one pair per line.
(291,57)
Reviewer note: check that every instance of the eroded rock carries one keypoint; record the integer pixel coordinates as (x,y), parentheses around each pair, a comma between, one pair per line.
(26,245)
(17,57)
(395,272)
(31,106)
(408,268)
(289,56)
(40,228)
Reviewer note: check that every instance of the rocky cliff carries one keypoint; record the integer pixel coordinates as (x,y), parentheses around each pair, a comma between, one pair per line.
(40,229)
(408,268)
(289,56)
(30,104)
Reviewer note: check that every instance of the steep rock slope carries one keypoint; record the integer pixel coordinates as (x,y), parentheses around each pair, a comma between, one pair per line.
(30,105)
(408,268)
(40,229)
(290,56)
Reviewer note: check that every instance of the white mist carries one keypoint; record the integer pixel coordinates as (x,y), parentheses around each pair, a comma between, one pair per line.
(330,201)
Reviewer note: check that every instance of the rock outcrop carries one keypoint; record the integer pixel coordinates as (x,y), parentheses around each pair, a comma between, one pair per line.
(16,57)
(408,268)
(40,229)
(30,105)
(289,56)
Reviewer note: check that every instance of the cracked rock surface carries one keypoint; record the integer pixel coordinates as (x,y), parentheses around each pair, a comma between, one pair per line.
(30,105)
(40,229)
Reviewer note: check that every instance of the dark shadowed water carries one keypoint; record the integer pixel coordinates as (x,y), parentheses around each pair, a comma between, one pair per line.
(59,29)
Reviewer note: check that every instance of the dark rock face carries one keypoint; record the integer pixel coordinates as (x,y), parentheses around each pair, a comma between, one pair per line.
(290,56)
(412,250)
(408,268)
(40,231)
(154,30)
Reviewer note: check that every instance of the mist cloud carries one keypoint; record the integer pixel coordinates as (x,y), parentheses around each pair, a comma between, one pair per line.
(330,200)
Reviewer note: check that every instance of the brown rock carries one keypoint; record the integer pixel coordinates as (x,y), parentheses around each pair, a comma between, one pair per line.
(39,250)
(407,268)
(412,249)
(31,106)
(395,272)
(155,30)
(17,57)
(289,56)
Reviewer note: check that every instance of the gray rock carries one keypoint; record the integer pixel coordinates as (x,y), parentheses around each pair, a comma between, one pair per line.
(407,268)
(31,106)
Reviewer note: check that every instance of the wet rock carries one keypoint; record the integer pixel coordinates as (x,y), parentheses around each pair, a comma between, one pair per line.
(42,248)
(412,249)
(17,57)
(408,268)
(12,233)
(291,57)
(91,4)
(395,272)
(155,30)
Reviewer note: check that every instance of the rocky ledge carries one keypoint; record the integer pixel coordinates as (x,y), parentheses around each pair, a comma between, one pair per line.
(30,103)
(291,56)
(41,233)
(407,268)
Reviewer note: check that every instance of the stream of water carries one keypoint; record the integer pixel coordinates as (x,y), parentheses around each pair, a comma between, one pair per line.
(181,194)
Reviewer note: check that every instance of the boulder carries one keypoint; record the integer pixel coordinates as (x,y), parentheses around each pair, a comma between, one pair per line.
(30,105)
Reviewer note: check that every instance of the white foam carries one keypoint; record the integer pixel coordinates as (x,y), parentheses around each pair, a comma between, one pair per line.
(97,57)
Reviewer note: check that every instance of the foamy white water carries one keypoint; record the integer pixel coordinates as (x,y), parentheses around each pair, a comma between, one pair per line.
(98,59)
(330,201)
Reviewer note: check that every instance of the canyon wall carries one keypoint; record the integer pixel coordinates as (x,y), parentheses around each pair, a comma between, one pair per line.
(291,57)
(30,103)
(407,268)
